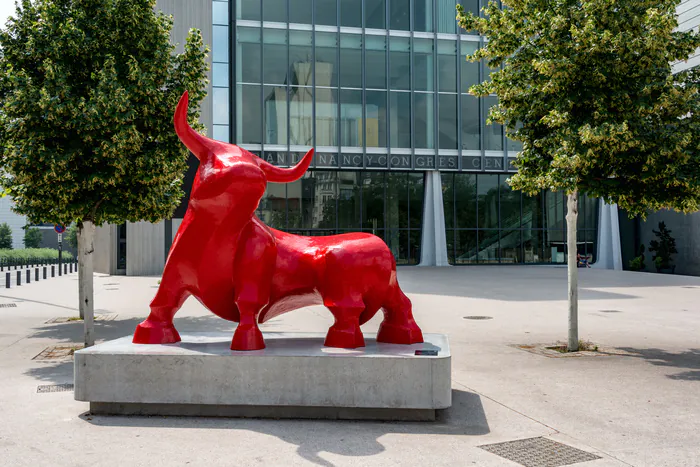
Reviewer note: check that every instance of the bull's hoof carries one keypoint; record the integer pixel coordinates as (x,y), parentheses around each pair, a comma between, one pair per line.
(153,332)
(408,333)
(348,338)
(247,338)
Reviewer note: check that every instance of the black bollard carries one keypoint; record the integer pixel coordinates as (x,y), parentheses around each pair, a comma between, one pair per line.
(36,274)
(29,276)
(65,269)
(53,270)
(19,277)
(44,272)
(7,280)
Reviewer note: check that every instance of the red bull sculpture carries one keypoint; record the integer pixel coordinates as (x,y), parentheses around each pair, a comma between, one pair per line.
(244,271)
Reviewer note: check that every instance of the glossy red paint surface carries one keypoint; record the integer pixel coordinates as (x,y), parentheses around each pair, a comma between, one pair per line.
(244,271)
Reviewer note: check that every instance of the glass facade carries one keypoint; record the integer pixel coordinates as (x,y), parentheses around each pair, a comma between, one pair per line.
(380,89)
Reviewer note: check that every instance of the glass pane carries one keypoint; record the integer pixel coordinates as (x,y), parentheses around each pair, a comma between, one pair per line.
(324,189)
(274,56)
(299,11)
(301,116)
(423,15)
(423,121)
(532,246)
(350,61)
(447,126)
(447,16)
(248,9)
(470,123)
(465,247)
(592,210)
(272,209)
(554,210)
(350,13)
(391,237)
(423,64)
(414,239)
(532,212)
(375,10)
(248,55)
(275,10)
(448,199)
(375,60)
(220,12)
(221,133)
(510,205)
(375,115)
(349,200)
(447,66)
(469,6)
(591,239)
(351,118)
(510,247)
(465,201)
(220,43)
(294,203)
(248,114)
(581,217)
(470,70)
(220,101)
(275,118)
(373,201)
(400,63)
(488,246)
(415,200)
(400,114)
(326,59)
(219,73)
(327,12)
(487,195)
(554,246)
(493,134)
(326,117)
(450,234)
(399,15)
(300,58)
(396,200)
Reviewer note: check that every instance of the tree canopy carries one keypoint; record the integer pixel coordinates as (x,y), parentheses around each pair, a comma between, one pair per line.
(587,87)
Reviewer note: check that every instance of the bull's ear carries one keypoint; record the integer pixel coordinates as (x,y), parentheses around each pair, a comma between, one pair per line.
(199,145)
(277,175)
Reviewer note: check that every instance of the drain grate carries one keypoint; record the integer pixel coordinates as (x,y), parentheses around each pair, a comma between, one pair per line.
(539,452)
(478,317)
(58,352)
(44,388)
(610,311)
(8,305)
(71,319)
(691,287)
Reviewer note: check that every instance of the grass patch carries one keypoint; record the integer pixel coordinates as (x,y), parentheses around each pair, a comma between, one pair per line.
(583,346)
(75,318)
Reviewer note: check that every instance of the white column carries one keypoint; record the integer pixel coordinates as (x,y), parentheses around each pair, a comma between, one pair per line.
(609,247)
(434,240)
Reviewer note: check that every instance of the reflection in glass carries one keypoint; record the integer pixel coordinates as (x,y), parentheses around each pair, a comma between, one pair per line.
(423,121)
(493,134)
(470,123)
(375,59)
(447,125)
(350,13)
(220,12)
(272,209)
(249,9)
(448,200)
(554,246)
(466,251)
(349,200)
(489,246)
(447,66)
(300,58)
(325,190)
(248,114)
(275,56)
(220,103)
(351,131)
(555,207)
(326,12)
(400,114)
(373,201)
(469,6)
(400,63)
(487,199)
(374,14)
(470,70)
(423,15)
(532,246)
(248,54)
(219,73)
(415,200)
(350,61)
(532,211)
(275,10)
(220,43)
(423,65)
(399,11)
(465,200)
(375,118)
(301,116)
(510,205)
(414,242)
(326,59)
(275,118)
(299,11)
(592,208)
(397,200)
(326,117)
(510,247)
(447,16)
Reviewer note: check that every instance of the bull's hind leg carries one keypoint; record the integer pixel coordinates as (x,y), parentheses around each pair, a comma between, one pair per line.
(398,326)
(345,332)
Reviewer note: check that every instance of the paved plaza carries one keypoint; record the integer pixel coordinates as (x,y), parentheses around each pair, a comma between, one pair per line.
(639,406)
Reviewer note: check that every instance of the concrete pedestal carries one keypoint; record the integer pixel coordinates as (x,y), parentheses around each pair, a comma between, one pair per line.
(294,377)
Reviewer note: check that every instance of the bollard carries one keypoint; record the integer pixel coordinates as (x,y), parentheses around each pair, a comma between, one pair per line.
(19,278)
(7,280)
(60,271)
(65,269)
(44,272)
(70,267)
(36,274)
(53,271)
(29,276)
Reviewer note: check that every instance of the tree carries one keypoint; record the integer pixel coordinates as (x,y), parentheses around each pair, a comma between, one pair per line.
(5,236)
(32,237)
(88,89)
(587,87)
(72,236)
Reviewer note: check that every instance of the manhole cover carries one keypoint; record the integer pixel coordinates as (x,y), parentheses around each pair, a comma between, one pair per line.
(8,305)
(610,311)
(478,317)
(44,388)
(58,352)
(539,452)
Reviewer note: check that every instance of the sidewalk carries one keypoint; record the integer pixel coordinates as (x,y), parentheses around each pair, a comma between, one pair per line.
(641,408)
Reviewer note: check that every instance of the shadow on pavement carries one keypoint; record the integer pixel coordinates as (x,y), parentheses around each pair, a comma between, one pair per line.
(690,360)
(312,437)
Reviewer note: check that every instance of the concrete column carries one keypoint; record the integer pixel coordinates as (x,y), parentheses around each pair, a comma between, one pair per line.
(609,248)
(434,239)
(145,254)
(104,258)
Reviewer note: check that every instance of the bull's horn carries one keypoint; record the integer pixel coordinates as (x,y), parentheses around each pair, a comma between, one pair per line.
(278,175)
(200,146)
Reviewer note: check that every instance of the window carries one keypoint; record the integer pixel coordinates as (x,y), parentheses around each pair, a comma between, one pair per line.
(375,11)
(423,15)
(375,60)
(326,12)
(400,114)
(423,64)
(493,134)
(299,11)
(351,61)
(350,13)
(447,125)
(326,59)
(248,55)
(375,115)
(400,63)
(424,121)
(274,56)
(399,15)
(447,66)
(470,123)
(275,10)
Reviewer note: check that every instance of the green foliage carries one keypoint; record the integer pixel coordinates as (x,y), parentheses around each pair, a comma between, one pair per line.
(32,255)
(5,236)
(664,247)
(587,87)
(87,93)
(71,236)
(637,263)
(32,237)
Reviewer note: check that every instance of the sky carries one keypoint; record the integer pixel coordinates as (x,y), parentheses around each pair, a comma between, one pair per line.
(7,8)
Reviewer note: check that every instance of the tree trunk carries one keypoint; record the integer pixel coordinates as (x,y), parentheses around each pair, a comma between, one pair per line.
(86,235)
(572,263)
